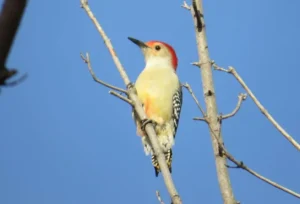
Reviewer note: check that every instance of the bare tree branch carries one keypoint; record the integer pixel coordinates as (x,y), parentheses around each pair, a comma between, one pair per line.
(159,198)
(217,134)
(185,5)
(131,91)
(232,71)
(88,62)
(241,98)
(239,164)
(189,88)
(10,18)
(201,119)
(118,95)
(210,101)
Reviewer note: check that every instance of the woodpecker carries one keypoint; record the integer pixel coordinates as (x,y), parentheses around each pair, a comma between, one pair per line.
(160,92)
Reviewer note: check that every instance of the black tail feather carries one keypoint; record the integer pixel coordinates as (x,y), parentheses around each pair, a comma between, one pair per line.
(168,156)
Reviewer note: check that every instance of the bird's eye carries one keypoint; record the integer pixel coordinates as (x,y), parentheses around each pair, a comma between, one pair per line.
(157,47)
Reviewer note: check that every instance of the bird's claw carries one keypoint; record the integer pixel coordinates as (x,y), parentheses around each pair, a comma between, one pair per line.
(145,122)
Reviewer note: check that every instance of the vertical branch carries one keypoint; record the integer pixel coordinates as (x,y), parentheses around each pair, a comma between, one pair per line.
(210,101)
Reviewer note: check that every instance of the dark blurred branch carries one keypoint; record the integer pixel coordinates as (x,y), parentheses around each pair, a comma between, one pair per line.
(10,18)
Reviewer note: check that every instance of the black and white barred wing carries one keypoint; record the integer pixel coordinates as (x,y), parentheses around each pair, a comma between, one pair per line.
(177,104)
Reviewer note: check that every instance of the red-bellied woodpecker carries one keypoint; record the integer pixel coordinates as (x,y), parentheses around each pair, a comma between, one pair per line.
(160,92)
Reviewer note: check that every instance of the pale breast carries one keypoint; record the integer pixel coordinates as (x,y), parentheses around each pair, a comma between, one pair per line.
(155,88)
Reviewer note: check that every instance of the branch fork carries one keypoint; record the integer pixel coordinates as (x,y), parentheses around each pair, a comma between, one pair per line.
(239,164)
(225,186)
(241,98)
(264,111)
(185,6)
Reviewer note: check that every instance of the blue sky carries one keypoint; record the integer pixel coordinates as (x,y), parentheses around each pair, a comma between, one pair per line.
(65,140)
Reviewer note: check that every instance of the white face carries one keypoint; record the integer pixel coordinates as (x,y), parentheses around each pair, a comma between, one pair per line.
(157,55)
(158,61)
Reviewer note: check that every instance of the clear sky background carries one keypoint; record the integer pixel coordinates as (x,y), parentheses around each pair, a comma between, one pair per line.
(65,140)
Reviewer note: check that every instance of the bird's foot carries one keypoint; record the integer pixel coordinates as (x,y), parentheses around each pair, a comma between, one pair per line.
(145,122)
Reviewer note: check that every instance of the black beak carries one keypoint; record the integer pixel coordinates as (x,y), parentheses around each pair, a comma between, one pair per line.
(138,42)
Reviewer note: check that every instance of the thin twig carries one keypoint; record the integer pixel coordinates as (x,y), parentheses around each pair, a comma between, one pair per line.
(242,165)
(201,119)
(118,95)
(241,98)
(85,6)
(88,62)
(232,167)
(189,88)
(185,5)
(232,71)
(131,91)
(159,198)
(216,67)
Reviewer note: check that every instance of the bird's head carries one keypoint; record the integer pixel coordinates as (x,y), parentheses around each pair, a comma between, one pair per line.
(157,54)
